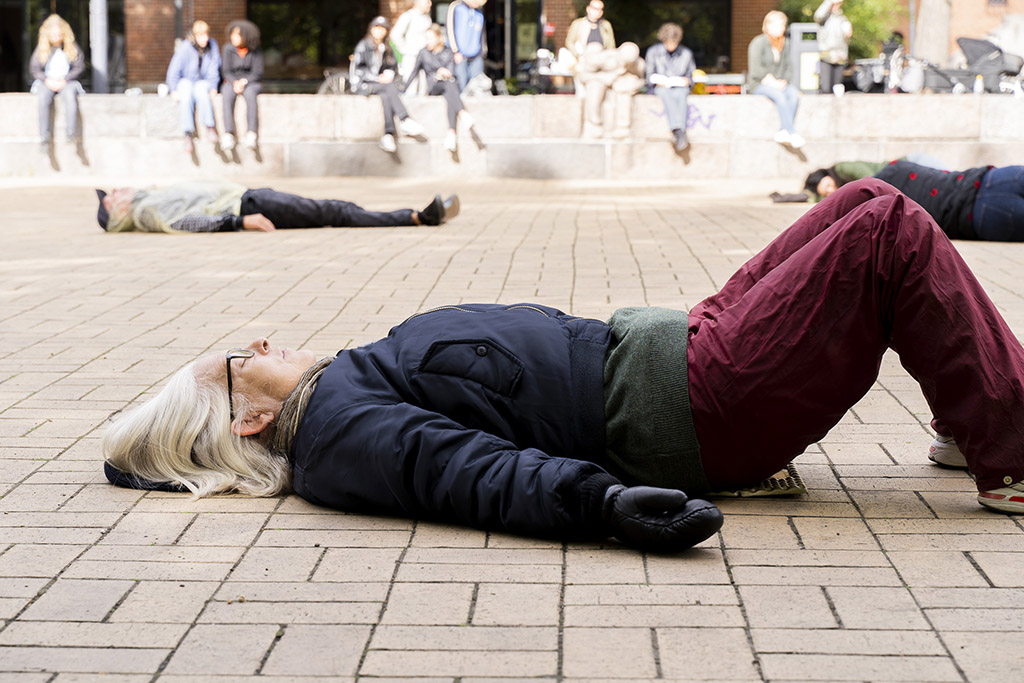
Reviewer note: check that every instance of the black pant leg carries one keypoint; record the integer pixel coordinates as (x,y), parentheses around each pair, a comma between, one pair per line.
(450,91)
(252,112)
(227,95)
(391,101)
(292,211)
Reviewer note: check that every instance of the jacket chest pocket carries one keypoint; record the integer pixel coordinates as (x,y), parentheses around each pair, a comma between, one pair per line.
(481,361)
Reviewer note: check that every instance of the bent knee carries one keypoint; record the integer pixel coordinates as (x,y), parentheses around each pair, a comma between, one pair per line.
(868,188)
(895,213)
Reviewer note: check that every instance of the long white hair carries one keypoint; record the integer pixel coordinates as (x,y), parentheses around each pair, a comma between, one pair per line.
(183,435)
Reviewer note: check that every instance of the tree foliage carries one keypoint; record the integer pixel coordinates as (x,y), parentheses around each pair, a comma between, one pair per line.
(873,21)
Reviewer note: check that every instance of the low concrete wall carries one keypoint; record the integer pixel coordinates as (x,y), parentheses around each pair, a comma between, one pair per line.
(525,136)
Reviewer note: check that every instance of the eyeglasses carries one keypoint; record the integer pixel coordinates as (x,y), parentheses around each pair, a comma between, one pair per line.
(228,357)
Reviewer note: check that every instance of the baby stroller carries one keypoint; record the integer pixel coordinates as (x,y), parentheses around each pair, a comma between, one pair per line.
(983,59)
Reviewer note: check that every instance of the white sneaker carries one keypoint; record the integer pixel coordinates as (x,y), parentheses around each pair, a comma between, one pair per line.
(796,141)
(945,452)
(227,142)
(1009,498)
(451,142)
(410,127)
(250,139)
(387,143)
(782,137)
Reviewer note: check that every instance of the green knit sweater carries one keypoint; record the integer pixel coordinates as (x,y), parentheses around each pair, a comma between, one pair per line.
(650,435)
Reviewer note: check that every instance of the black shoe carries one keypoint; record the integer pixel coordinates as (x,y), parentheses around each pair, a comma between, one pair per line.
(681,141)
(451,207)
(439,211)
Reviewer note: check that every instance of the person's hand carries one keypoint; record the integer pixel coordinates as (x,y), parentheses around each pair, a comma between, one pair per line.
(175,96)
(656,519)
(213,92)
(239,85)
(386,76)
(257,221)
(685,81)
(55,84)
(443,74)
(459,58)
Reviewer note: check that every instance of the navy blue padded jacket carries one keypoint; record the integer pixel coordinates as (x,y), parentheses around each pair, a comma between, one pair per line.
(486,415)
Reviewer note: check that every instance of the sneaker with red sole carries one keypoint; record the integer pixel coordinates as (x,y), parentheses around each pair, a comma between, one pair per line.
(945,452)
(1009,498)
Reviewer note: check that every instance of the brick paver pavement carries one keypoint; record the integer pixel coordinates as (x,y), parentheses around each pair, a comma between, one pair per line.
(887,571)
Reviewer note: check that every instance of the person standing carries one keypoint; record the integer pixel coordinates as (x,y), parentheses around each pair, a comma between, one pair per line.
(242,66)
(192,78)
(669,76)
(55,66)
(409,37)
(833,43)
(770,73)
(373,73)
(592,27)
(466,38)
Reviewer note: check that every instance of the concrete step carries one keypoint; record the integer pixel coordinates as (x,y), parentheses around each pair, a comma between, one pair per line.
(524,136)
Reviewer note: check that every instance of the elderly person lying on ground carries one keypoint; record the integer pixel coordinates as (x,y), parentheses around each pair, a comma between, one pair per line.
(221,206)
(525,419)
(982,203)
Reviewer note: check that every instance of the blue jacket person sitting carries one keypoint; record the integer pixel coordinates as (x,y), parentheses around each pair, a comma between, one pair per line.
(525,419)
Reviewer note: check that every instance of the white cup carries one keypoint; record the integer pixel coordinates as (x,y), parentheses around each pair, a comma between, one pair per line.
(162,90)
(838,89)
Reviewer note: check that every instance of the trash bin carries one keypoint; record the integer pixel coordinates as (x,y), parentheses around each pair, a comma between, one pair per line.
(803,49)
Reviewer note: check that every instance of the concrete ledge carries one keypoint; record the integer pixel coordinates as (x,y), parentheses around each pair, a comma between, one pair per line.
(525,136)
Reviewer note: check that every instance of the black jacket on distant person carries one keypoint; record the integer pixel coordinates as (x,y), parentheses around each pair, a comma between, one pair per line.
(368,61)
(429,62)
(37,69)
(235,67)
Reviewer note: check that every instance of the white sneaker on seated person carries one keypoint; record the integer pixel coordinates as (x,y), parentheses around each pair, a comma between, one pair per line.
(409,126)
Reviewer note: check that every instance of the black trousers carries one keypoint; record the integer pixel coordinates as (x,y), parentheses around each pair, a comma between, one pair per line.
(292,211)
(828,75)
(252,114)
(450,91)
(391,101)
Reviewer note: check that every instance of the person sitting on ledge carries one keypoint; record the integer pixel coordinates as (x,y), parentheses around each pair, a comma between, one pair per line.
(222,206)
(437,63)
(524,419)
(982,203)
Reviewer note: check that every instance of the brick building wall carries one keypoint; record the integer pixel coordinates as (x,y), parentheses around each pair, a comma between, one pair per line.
(150,32)
(975,18)
(747,16)
(560,13)
(392,8)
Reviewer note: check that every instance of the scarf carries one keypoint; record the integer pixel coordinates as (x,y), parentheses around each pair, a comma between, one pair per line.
(295,407)
(778,43)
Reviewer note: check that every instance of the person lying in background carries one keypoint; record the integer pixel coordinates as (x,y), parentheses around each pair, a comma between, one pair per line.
(222,206)
(981,203)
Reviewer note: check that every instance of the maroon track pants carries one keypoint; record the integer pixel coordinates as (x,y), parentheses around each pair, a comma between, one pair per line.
(797,335)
